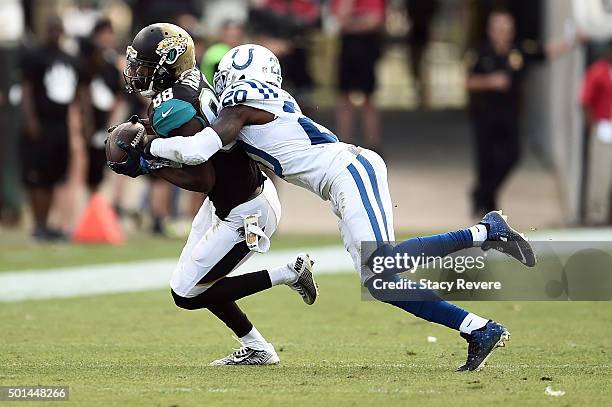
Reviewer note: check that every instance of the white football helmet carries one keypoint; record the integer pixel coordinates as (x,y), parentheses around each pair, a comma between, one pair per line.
(248,61)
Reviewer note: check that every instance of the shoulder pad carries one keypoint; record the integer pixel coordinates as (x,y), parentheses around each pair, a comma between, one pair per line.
(248,90)
(170,115)
(191,79)
(183,91)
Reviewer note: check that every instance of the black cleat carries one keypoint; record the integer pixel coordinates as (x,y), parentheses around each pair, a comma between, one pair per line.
(505,239)
(481,343)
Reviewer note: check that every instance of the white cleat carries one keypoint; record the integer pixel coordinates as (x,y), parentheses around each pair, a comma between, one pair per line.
(249,356)
(305,284)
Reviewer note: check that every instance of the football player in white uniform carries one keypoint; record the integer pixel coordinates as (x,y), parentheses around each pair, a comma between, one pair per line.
(268,123)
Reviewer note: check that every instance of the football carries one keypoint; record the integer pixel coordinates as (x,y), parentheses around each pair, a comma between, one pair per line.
(132,132)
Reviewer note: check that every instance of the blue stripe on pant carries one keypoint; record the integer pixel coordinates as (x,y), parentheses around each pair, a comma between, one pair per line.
(372,175)
(366,202)
(421,303)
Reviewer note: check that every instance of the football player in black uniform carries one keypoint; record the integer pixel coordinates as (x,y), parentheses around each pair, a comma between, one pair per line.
(240,200)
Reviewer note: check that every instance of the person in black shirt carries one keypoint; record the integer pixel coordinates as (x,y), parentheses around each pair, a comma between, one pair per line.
(103,94)
(420,14)
(496,73)
(50,81)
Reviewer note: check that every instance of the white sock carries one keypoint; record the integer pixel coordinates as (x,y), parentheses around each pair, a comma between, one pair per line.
(282,275)
(253,339)
(472,322)
(479,234)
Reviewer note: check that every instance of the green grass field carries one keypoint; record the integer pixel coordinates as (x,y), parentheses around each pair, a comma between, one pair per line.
(18,252)
(139,350)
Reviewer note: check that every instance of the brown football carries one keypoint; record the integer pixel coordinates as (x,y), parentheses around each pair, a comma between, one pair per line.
(129,133)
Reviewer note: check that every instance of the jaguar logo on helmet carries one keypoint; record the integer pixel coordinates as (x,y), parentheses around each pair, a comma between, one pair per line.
(172,48)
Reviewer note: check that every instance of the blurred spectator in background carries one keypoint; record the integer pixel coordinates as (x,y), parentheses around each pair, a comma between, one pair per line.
(103,96)
(285,27)
(159,204)
(50,80)
(496,74)
(231,34)
(596,100)
(361,23)
(199,40)
(184,13)
(3,159)
(420,14)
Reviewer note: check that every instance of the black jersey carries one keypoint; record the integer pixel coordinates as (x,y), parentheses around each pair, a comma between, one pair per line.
(506,103)
(54,76)
(104,82)
(236,175)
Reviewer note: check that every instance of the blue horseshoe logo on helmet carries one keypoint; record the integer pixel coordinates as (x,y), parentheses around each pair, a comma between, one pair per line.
(246,64)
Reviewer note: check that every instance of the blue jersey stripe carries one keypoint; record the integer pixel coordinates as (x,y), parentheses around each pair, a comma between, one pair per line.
(261,87)
(288,107)
(265,86)
(372,175)
(366,202)
(274,163)
(315,135)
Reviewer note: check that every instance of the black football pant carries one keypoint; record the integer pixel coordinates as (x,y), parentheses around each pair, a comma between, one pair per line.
(497,152)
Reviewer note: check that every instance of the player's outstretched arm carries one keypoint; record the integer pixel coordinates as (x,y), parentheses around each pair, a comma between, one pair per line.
(199,148)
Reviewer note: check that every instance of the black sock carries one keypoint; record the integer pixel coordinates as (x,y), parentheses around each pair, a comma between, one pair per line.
(235,288)
(233,317)
(158,226)
(226,290)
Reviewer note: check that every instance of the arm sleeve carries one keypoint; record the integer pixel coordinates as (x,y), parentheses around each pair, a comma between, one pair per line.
(188,150)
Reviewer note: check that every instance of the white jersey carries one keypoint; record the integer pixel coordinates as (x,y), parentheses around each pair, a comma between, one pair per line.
(296,148)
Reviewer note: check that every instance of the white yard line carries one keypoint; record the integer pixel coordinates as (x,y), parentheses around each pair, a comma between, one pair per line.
(140,276)
(154,274)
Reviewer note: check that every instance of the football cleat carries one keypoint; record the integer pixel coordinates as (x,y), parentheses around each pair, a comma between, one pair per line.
(481,343)
(305,284)
(503,238)
(246,355)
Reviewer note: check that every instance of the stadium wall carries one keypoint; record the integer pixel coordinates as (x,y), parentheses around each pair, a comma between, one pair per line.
(553,119)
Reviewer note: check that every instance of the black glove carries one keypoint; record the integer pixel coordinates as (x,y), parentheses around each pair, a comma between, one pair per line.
(135,164)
